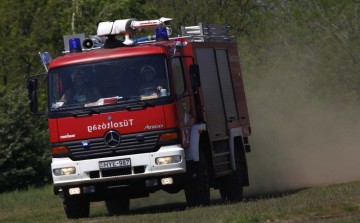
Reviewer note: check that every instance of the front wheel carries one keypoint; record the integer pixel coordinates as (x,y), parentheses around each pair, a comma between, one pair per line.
(76,207)
(197,192)
(118,205)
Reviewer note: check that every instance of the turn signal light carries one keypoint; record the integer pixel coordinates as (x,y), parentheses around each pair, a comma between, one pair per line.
(168,136)
(59,149)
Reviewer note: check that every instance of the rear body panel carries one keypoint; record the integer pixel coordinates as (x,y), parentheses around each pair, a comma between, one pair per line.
(224,101)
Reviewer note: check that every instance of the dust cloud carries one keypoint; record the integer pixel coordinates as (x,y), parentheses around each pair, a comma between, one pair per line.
(297,142)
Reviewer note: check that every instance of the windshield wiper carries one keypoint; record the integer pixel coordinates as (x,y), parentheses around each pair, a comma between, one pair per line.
(85,112)
(72,106)
(139,104)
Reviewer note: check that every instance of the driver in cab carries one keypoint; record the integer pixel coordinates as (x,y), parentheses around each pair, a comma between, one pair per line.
(81,92)
(152,83)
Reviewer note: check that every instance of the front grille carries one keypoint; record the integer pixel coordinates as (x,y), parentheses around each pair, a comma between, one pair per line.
(116,172)
(128,145)
(94,174)
(139,169)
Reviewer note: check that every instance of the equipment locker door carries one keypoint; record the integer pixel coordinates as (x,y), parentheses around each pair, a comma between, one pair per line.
(226,84)
(214,105)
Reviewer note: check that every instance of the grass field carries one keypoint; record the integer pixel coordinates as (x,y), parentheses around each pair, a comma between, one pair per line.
(334,203)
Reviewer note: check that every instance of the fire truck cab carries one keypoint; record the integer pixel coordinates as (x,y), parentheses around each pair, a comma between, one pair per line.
(131,117)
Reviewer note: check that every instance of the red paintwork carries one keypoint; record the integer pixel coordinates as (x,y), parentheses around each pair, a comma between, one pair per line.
(54,134)
(170,116)
(83,127)
(104,54)
(69,129)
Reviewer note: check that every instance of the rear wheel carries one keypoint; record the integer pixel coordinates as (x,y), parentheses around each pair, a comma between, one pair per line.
(76,207)
(118,206)
(197,192)
(231,187)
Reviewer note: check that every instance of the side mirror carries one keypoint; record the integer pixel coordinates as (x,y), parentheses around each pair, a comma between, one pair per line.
(194,76)
(31,86)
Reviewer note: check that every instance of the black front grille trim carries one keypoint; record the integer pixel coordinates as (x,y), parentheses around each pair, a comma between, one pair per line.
(128,145)
(116,172)
(94,174)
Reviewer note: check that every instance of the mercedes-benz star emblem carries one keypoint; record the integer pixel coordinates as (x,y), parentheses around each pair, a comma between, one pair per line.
(112,138)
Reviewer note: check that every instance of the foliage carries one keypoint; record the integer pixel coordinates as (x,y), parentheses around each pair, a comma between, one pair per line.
(85,14)
(27,27)
(237,14)
(24,153)
(319,39)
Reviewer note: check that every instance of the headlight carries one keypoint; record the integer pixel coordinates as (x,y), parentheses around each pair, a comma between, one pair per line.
(64,171)
(168,160)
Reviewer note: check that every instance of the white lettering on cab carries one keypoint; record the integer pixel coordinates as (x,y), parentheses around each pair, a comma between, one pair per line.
(153,127)
(67,136)
(110,125)
(186,136)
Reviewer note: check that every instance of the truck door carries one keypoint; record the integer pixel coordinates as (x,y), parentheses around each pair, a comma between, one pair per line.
(184,105)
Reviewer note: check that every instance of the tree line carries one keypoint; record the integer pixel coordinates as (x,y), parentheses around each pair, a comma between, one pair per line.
(312,43)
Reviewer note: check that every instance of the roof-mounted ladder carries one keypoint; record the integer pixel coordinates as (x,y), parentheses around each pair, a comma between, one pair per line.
(207,33)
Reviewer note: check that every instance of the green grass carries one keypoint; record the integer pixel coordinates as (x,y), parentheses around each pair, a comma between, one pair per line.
(350,208)
(335,203)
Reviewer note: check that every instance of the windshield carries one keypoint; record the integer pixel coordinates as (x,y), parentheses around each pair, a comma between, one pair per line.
(109,82)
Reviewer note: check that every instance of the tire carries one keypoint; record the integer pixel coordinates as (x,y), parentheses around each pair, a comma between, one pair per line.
(76,207)
(231,188)
(197,192)
(118,206)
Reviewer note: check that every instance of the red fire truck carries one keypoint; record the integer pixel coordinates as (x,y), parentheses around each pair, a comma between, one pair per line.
(128,117)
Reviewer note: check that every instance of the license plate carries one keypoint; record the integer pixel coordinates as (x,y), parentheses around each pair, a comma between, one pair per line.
(114,163)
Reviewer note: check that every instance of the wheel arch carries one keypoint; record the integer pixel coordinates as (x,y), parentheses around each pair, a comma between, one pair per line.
(236,142)
(192,152)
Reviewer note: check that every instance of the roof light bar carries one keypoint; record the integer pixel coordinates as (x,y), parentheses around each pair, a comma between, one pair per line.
(75,45)
(161,34)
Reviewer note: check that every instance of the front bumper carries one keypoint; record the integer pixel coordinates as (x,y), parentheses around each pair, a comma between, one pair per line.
(86,169)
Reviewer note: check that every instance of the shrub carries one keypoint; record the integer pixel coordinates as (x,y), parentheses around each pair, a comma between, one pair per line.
(24,143)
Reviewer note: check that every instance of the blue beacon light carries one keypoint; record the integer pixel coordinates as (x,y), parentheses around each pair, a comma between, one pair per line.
(75,45)
(161,34)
